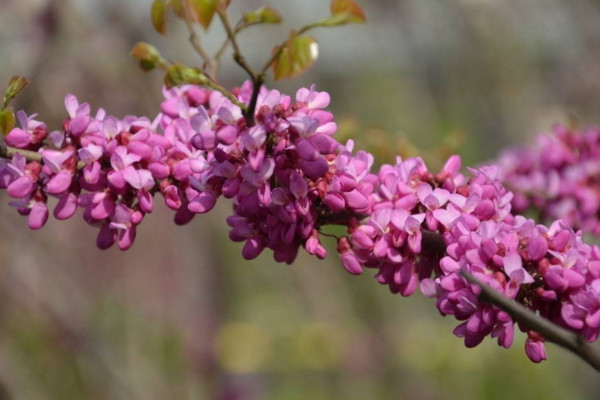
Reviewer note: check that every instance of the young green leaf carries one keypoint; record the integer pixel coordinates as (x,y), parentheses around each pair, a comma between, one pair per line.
(345,12)
(159,13)
(145,51)
(15,85)
(147,55)
(178,74)
(297,55)
(263,15)
(203,10)
(7,121)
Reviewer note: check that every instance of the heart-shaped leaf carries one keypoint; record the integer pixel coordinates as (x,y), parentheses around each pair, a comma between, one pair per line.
(158,14)
(298,54)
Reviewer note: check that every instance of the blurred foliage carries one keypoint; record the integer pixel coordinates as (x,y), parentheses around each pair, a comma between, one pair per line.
(182,315)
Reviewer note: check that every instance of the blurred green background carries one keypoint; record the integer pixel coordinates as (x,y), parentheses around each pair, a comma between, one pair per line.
(181,315)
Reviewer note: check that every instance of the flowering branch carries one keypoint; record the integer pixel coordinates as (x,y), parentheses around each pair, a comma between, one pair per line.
(288,177)
(453,236)
(552,332)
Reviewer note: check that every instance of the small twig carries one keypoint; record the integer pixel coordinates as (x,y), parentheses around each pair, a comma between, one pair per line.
(257,80)
(238,28)
(195,42)
(237,53)
(551,332)
(9,152)
(219,53)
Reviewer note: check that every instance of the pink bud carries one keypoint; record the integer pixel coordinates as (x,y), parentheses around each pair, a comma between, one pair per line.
(307,150)
(356,200)
(202,203)
(159,170)
(252,248)
(38,215)
(20,187)
(106,237)
(126,238)
(18,138)
(59,182)
(66,207)
(335,202)
(535,350)
(314,169)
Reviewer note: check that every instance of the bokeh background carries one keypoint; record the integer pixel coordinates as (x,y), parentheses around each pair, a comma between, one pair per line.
(181,315)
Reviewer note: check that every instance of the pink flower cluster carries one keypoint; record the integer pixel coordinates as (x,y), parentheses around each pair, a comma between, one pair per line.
(286,174)
(287,177)
(559,177)
(280,172)
(549,270)
(109,167)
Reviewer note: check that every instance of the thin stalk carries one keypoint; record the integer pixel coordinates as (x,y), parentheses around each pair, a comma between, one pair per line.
(553,333)
(209,64)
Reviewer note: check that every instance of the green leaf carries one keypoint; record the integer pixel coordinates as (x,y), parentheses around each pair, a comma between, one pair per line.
(345,12)
(15,85)
(296,56)
(158,14)
(148,56)
(178,74)
(7,121)
(147,65)
(263,15)
(145,51)
(203,10)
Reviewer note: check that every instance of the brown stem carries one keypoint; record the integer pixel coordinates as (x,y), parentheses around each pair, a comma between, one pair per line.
(553,333)
(237,53)
(257,80)
(238,28)
(249,112)
(9,152)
